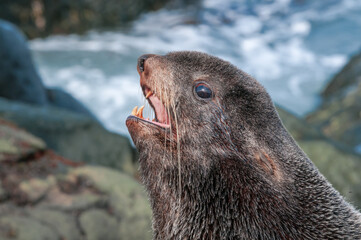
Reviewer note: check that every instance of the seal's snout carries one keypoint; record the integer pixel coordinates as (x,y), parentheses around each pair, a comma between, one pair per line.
(161,119)
(141,61)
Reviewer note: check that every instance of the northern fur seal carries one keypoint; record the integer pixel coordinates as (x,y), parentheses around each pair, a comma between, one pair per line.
(218,163)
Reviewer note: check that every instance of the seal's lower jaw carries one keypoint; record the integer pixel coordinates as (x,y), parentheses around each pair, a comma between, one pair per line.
(137,119)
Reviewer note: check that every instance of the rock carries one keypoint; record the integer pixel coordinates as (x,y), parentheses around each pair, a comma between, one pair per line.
(2,194)
(64,201)
(298,127)
(19,79)
(25,228)
(48,197)
(123,213)
(35,188)
(16,143)
(61,99)
(348,77)
(73,135)
(339,116)
(64,223)
(97,224)
(130,194)
(340,119)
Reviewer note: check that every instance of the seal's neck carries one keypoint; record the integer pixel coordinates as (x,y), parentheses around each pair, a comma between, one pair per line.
(230,202)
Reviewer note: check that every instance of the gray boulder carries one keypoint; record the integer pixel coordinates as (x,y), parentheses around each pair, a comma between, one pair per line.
(19,79)
(61,99)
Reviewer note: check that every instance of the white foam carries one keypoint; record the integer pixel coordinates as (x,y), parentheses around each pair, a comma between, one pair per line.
(301,27)
(334,61)
(247,25)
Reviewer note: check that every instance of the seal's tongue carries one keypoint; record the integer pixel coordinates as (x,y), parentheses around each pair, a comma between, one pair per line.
(161,114)
(160,111)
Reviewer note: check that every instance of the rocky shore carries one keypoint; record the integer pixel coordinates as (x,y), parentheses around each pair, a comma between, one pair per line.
(64,176)
(46,196)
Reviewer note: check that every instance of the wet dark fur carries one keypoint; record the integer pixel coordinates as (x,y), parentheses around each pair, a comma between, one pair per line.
(242,174)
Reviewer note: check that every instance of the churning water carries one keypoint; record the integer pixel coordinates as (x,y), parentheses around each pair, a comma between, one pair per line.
(292,47)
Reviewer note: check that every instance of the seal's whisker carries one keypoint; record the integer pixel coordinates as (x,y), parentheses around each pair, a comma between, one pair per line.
(165,133)
(170,133)
(178,151)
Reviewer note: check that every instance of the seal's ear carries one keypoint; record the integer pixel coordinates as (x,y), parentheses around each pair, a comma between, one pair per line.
(267,164)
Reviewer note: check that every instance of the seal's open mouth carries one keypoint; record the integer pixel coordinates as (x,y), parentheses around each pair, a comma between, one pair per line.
(161,114)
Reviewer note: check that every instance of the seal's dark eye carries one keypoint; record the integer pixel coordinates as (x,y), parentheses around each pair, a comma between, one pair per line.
(203,91)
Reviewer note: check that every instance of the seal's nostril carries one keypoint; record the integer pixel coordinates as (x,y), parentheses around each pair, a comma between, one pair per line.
(141,61)
(141,64)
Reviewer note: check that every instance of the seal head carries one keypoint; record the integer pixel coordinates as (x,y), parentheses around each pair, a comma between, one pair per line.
(217,162)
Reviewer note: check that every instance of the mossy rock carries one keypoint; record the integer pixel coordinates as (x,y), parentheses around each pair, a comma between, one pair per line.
(25,228)
(64,224)
(134,209)
(16,143)
(45,196)
(98,224)
(86,202)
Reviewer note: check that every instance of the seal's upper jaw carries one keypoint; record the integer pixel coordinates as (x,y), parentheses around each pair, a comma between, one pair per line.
(161,114)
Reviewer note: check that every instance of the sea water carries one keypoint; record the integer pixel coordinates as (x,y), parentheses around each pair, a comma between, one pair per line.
(292,47)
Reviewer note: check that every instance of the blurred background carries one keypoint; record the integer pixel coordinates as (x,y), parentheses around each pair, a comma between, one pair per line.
(68,81)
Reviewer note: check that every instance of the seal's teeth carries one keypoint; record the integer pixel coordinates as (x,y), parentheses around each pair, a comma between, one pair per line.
(140,112)
(134,112)
(148,94)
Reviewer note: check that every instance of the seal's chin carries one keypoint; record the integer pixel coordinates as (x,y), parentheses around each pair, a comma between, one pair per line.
(161,114)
